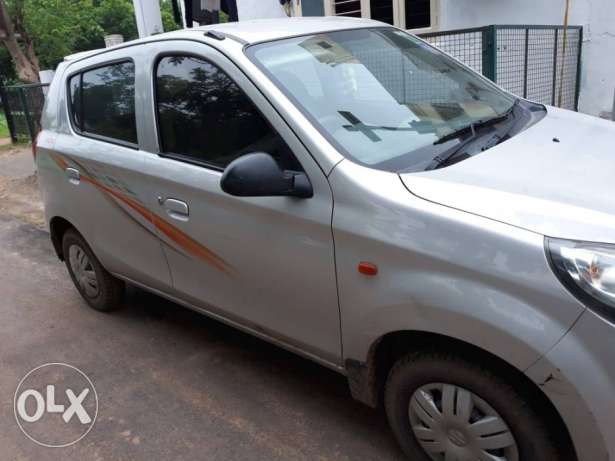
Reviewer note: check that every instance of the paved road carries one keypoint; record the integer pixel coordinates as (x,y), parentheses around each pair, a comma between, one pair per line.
(172,385)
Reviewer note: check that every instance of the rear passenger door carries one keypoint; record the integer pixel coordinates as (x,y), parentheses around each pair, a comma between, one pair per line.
(266,263)
(98,167)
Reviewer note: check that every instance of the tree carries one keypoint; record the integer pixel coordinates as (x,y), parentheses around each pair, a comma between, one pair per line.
(117,17)
(11,32)
(60,27)
(168,20)
(37,34)
(7,69)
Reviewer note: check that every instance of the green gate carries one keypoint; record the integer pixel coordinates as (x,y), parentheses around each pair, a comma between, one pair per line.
(540,63)
(23,107)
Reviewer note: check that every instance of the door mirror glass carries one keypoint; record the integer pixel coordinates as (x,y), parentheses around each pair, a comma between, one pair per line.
(259,175)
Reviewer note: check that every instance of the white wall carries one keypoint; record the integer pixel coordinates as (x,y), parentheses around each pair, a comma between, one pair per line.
(597,16)
(259,9)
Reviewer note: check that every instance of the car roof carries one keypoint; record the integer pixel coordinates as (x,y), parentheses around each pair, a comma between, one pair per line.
(252,31)
(263,30)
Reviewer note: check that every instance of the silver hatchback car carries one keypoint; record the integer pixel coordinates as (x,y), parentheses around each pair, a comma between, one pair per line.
(344,190)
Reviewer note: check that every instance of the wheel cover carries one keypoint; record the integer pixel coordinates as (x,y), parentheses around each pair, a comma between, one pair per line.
(83,270)
(453,424)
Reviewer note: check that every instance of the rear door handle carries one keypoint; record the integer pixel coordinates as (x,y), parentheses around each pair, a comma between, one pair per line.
(176,209)
(73,175)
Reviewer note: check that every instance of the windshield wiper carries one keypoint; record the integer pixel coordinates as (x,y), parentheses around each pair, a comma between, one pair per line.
(440,160)
(474,126)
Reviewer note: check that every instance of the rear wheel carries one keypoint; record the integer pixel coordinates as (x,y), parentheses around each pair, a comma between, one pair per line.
(442,407)
(98,287)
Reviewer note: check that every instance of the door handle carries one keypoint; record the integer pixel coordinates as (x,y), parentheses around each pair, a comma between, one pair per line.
(176,209)
(73,175)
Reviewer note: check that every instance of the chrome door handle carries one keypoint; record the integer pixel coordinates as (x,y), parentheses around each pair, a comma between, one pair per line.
(73,175)
(176,209)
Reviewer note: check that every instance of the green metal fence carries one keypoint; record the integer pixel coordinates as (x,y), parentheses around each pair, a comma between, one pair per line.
(23,106)
(538,62)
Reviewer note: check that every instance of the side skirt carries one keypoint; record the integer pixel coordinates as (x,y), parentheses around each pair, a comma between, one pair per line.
(239,326)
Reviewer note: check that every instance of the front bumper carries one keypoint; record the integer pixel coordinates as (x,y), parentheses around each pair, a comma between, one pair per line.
(578,376)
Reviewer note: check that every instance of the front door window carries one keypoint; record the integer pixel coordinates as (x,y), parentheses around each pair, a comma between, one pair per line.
(205,118)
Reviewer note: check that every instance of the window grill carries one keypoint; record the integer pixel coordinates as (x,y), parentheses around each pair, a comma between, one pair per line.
(347,8)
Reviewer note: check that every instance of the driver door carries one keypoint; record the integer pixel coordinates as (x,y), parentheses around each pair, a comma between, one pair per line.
(264,263)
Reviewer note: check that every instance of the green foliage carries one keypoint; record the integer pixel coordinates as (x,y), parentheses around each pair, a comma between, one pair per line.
(57,27)
(166,11)
(117,17)
(62,27)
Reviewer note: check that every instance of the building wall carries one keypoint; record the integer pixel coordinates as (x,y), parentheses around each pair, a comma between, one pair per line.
(249,9)
(597,16)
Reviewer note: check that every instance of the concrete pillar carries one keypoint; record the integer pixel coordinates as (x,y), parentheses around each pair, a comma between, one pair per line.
(149,21)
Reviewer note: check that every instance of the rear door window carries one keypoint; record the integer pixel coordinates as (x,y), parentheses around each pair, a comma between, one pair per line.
(103,102)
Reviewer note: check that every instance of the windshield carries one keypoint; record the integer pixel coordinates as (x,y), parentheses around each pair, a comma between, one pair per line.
(383,97)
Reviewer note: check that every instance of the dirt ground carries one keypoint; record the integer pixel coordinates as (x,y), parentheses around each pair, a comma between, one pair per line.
(19,193)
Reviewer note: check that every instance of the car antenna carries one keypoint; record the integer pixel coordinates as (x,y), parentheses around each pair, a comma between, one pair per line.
(215,35)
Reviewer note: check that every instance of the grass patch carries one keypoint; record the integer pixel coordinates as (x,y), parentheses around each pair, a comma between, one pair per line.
(10,148)
(4,128)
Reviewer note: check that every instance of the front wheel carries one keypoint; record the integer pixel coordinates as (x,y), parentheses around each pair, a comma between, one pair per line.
(442,407)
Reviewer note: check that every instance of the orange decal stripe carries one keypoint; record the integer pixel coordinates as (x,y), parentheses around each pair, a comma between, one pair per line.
(190,245)
(128,201)
(182,239)
(59,161)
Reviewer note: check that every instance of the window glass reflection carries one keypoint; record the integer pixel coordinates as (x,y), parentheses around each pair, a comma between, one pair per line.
(204,115)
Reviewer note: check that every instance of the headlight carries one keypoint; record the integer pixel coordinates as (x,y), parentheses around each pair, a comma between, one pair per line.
(588,271)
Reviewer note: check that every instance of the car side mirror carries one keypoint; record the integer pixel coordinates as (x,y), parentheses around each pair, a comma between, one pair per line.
(258,175)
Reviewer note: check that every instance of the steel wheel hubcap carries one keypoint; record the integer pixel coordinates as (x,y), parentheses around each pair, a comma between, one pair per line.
(83,271)
(453,424)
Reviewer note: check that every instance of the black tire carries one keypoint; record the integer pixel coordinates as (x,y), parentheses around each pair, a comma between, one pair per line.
(527,423)
(109,291)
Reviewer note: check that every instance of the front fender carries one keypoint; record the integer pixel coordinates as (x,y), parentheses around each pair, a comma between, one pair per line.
(442,271)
